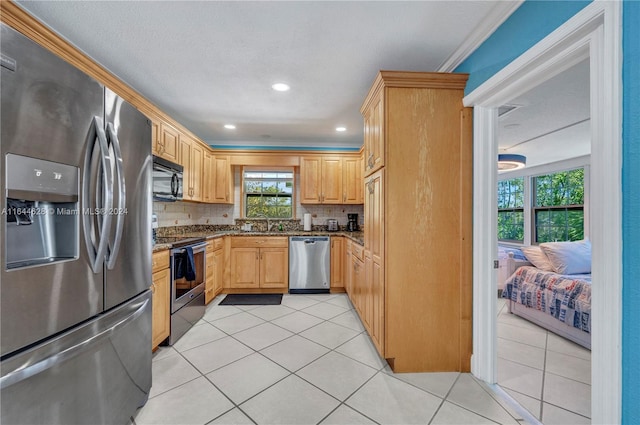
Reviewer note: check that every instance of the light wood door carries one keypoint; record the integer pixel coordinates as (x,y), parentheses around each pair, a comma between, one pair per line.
(358,285)
(352,181)
(160,325)
(195,164)
(218,271)
(331,181)
(223,180)
(348,268)
(208,178)
(274,268)
(245,267)
(156,144)
(374,136)
(209,290)
(169,139)
(337,262)
(310,180)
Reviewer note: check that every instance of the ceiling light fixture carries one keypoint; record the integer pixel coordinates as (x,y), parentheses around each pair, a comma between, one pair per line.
(280,87)
(230,126)
(510,162)
(341,128)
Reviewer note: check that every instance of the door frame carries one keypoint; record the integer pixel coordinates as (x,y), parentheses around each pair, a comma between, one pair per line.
(593,33)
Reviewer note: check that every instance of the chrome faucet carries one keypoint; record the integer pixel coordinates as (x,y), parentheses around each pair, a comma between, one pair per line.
(268,221)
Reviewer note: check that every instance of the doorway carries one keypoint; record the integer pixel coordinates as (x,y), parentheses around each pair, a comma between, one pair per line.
(593,34)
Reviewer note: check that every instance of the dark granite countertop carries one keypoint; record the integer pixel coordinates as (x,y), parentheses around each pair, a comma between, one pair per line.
(357,237)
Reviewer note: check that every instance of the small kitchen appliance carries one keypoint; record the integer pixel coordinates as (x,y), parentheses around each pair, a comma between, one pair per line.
(352,222)
(332,225)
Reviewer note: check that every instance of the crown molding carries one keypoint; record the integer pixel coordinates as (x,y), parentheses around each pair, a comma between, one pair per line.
(498,14)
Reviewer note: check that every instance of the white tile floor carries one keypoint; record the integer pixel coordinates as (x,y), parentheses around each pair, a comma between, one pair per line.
(548,375)
(307,361)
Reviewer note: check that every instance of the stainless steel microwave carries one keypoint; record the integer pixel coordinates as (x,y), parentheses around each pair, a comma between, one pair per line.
(167,180)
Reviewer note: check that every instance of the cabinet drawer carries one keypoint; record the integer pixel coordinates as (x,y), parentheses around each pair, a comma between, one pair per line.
(357,251)
(159,261)
(217,243)
(259,242)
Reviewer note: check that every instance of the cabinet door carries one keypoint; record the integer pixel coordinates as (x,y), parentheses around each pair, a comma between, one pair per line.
(337,262)
(195,164)
(184,156)
(374,137)
(352,181)
(348,268)
(160,325)
(223,180)
(156,144)
(169,138)
(310,180)
(218,271)
(374,215)
(245,271)
(209,292)
(208,178)
(331,181)
(358,285)
(274,268)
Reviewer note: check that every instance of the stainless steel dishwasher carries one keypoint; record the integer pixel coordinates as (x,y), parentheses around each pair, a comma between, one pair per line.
(309,264)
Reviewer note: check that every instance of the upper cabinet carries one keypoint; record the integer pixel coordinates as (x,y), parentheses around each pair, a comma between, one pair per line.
(165,140)
(223,180)
(352,180)
(373,114)
(330,180)
(191,157)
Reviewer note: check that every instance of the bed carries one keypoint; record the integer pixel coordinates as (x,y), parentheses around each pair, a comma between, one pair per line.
(560,303)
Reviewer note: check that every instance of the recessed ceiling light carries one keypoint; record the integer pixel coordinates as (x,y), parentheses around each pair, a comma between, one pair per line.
(230,126)
(341,128)
(280,87)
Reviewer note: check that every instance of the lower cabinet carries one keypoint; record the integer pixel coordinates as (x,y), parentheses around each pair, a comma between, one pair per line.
(215,270)
(160,304)
(337,262)
(259,262)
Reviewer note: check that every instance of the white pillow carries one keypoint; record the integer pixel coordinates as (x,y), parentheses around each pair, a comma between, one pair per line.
(536,257)
(569,257)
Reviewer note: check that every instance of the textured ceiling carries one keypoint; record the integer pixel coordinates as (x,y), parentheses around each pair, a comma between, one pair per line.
(208,63)
(552,121)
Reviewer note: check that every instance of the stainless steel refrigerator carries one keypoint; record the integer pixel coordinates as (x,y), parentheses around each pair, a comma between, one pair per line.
(75,244)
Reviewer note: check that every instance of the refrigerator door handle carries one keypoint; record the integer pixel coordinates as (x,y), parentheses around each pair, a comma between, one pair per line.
(97,254)
(119,209)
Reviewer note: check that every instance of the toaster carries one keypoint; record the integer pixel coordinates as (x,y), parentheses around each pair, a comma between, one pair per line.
(332,225)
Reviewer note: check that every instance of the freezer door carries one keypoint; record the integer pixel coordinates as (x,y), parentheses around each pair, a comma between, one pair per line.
(129,257)
(98,373)
(48,110)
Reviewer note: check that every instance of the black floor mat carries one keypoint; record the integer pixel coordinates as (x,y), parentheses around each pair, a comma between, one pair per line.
(252,299)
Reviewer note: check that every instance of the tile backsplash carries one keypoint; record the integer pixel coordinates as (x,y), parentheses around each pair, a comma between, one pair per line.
(187,213)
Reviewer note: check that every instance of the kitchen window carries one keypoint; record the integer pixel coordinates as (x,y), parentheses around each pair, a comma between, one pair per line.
(268,193)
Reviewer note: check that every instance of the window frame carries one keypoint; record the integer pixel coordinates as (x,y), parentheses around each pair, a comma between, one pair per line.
(244,195)
(529,193)
(517,209)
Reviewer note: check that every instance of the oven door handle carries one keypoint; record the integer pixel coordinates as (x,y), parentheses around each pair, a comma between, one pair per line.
(196,249)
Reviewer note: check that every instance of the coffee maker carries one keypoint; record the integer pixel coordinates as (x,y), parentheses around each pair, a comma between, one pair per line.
(352,222)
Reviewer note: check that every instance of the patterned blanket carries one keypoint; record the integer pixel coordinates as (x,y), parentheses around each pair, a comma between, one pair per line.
(565,297)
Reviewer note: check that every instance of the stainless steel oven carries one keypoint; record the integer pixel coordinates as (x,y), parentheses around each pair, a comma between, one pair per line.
(188,273)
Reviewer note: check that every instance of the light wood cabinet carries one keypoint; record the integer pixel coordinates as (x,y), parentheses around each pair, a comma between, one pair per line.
(337,262)
(223,180)
(160,302)
(192,159)
(352,181)
(208,178)
(348,286)
(259,262)
(164,140)
(215,270)
(320,180)
(374,133)
(415,298)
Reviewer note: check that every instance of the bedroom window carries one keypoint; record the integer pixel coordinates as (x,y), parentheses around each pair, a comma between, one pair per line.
(511,210)
(558,206)
(268,193)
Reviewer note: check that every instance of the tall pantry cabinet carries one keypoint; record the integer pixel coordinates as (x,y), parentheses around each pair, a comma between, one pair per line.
(418,220)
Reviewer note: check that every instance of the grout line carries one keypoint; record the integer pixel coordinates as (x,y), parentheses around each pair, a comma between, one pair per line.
(544,374)
(444,399)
